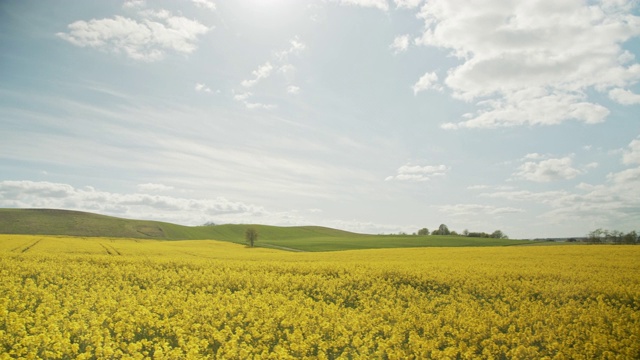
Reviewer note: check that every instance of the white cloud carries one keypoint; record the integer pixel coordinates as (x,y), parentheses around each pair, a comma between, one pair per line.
(624,97)
(205,4)
(129,4)
(296,47)
(408,4)
(280,62)
(244,98)
(151,187)
(262,72)
(533,107)
(533,156)
(427,81)
(378,4)
(535,61)
(632,156)
(145,40)
(547,170)
(476,209)
(400,44)
(418,173)
(615,202)
(477,187)
(257,105)
(202,87)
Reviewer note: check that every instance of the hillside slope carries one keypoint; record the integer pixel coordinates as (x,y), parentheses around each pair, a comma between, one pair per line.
(300,238)
(77,223)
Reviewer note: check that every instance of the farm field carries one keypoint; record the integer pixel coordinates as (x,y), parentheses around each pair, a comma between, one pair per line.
(73,297)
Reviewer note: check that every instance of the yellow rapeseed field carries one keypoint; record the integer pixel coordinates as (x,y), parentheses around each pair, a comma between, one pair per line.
(99,298)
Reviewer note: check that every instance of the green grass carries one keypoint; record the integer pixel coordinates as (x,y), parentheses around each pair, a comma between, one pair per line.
(76,223)
(302,238)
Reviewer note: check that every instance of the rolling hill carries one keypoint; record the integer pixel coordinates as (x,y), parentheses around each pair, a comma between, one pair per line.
(300,238)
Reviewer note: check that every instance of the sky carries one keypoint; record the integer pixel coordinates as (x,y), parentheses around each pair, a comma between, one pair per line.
(372,116)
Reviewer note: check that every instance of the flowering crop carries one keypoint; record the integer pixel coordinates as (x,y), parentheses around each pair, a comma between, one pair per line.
(112,298)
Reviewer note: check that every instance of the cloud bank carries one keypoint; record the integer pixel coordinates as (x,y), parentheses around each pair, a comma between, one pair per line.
(532,63)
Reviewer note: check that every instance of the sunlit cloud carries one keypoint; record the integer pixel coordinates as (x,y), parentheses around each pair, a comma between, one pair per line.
(517,75)
(624,97)
(547,170)
(426,82)
(204,4)
(147,39)
(400,44)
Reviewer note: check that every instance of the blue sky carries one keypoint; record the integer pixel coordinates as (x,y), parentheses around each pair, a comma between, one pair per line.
(366,115)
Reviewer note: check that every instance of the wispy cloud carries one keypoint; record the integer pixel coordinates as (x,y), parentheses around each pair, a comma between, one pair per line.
(518,74)
(204,4)
(147,39)
(296,48)
(427,81)
(257,105)
(280,61)
(377,4)
(200,87)
(152,187)
(408,4)
(418,173)
(547,170)
(262,72)
(132,4)
(245,98)
(477,209)
(292,89)
(400,44)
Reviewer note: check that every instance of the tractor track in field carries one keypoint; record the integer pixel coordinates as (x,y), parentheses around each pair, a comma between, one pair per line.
(110,250)
(23,249)
(271,246)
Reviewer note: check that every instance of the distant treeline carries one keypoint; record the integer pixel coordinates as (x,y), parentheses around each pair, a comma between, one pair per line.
(604,236)
(444,230)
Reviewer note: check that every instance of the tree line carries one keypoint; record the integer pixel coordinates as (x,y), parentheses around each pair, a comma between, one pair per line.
(604,236)
(444,230)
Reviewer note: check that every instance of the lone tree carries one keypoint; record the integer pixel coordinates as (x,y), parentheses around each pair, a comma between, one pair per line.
(423,231)
(251,236)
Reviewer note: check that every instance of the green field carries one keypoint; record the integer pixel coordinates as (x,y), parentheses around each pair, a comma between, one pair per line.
(299,238)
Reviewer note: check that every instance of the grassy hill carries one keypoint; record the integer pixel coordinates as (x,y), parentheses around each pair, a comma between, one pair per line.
(302,238)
